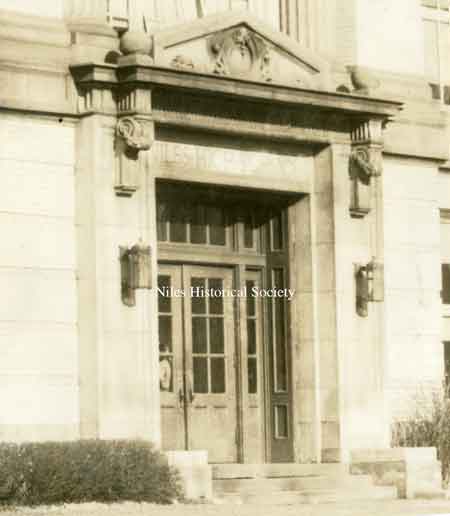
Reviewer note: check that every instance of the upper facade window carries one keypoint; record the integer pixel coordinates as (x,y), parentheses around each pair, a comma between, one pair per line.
(118,13)
(282,15)
(445,260)
(437,48)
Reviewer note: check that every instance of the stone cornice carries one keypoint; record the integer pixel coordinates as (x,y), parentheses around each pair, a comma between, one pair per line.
(185,99)
(104,75)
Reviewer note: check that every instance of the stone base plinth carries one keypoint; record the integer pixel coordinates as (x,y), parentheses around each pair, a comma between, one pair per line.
(415,472)
(195,472)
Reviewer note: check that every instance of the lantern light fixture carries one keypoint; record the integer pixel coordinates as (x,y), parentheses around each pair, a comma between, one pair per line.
(369,286)
(135,264)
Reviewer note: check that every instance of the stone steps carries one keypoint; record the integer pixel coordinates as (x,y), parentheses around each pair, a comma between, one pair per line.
(307,497)
(261,485)
(287,484)
(276,470)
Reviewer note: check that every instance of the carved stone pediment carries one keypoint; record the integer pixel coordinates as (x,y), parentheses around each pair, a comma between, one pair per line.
(237,45)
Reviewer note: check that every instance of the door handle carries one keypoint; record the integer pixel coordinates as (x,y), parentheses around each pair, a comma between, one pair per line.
(181,396)
(189,390)
(191,394)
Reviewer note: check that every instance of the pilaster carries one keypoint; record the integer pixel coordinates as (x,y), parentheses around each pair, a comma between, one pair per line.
(358,245)
(116,209)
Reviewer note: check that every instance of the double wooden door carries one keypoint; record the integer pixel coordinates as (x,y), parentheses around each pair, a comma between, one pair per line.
(197,360)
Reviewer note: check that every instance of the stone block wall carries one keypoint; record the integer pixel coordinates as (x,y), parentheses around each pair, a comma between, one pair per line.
(413,348)
(38,312)
(53,8)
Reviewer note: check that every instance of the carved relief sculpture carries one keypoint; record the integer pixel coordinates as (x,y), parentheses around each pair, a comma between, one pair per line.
(182,63)
(241,53)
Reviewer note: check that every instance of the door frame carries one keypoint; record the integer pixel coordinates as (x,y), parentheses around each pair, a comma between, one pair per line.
(241,261)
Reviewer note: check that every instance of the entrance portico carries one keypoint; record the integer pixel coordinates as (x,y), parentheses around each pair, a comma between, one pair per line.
(273,154)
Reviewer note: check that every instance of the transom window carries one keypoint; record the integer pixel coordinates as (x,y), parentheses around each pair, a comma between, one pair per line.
(208,217)
(192,223)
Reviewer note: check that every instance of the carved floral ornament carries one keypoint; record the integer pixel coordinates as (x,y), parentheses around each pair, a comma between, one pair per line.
(240,52)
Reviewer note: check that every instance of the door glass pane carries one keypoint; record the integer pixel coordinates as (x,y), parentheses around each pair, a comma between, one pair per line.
(198,225)
(197,293)
(216,219)
(250,298)
(277,232)
(217,375)
(199,338)
(166,373)
(165,333)
(252,375)
(248,232)
(281,421)
(279,335)
(200,374)
(216,293)
(216,335)
(178,226)
(251,336)
(162,217)
(164,299)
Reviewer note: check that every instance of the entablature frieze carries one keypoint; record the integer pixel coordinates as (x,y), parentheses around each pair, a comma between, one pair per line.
(226,105)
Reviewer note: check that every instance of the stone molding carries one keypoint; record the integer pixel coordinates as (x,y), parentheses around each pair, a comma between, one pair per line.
(146,94)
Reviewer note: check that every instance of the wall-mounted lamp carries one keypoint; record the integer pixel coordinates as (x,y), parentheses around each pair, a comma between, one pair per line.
(369,286)
(135,264)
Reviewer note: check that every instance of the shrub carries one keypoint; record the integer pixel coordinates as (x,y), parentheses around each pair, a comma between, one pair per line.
(85,471)
(427,425)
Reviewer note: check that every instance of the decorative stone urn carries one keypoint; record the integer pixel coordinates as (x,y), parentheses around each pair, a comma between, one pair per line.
(362,79)
(135,42)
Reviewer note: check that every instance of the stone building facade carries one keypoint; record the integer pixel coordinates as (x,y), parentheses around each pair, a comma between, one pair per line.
(223,144)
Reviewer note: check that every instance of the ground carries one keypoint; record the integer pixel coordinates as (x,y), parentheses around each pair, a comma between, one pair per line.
(391,508)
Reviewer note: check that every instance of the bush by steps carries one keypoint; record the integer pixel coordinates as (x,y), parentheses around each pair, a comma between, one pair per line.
(85,471)
(428,424)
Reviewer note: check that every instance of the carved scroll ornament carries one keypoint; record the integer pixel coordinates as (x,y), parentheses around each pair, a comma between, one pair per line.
(135,133)
(364,164)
